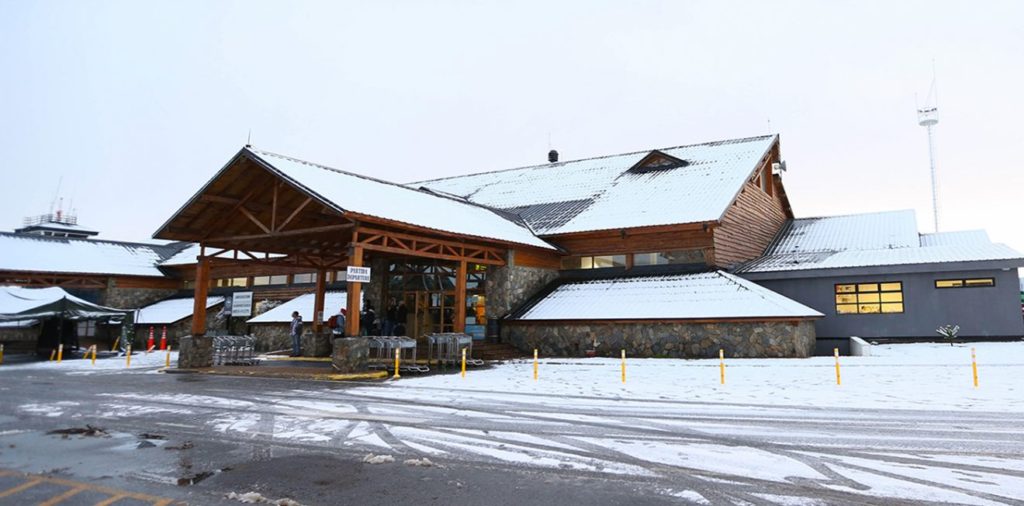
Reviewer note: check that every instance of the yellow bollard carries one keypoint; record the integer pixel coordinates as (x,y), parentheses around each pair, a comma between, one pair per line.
(53,353)
(114,347)
(974,366)
(168,363)
(128,357)
(1,354)
(839,379)
(623,366)
(94,354)
(60,352)
(534,363)
(721,365)
(463,362)
(398,356)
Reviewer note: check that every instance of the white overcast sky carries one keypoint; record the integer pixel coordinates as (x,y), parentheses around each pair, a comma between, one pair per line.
(136,104)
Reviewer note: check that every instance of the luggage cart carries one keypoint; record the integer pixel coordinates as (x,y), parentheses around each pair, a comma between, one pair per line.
(382,353)
(234,350)
(446,349)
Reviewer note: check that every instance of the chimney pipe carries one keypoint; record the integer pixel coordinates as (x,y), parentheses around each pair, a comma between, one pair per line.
(552,156)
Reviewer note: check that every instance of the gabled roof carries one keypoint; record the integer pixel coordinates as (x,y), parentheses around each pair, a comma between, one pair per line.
(35,253)
(871,240)
(603,193)
(346,192)
(706,295)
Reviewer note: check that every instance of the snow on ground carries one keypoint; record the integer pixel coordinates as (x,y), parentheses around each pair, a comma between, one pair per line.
(140,361)
(899,376)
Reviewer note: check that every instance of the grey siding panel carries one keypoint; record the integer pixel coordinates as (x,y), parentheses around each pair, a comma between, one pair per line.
(980,312)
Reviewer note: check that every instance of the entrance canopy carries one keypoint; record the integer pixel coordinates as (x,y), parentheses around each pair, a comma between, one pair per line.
(19,303)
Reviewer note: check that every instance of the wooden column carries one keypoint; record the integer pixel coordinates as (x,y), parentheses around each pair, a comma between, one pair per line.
(354,294)
(199,306)
(460,298)
(318,300)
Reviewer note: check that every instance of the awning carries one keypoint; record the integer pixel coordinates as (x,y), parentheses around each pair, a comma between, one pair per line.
(19,303)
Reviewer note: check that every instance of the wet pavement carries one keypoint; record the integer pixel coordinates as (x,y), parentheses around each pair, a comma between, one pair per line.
(196,439)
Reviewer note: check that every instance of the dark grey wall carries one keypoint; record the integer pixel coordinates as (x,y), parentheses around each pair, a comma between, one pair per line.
(980,312)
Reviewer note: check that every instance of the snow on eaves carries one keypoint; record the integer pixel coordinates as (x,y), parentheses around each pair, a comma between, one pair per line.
(32,253)
(958,238)
(707,295)
(170,311)
(601,193)
(372,197)
(333,302)
(978,252)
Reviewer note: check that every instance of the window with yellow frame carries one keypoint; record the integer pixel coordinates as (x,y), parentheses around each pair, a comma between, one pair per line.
(869,298)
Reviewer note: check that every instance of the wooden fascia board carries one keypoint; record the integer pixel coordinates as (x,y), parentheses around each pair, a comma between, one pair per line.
(652,229)
(160,233)
(485,242)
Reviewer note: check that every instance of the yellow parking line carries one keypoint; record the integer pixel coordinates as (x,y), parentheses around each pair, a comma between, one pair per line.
(24,486)
(60,498)
(111,500)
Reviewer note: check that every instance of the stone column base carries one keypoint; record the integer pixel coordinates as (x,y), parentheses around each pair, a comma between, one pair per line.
(316,345)
(351,354)
(195,352)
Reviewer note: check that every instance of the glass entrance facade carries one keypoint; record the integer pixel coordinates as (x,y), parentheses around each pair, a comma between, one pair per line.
(428,290)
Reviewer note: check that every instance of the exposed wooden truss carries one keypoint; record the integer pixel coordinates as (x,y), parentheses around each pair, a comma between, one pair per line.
(398,243)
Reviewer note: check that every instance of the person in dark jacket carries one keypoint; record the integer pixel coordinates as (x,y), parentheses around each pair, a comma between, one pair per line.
(296,331)
(368,320)
(401,317)
(390,317)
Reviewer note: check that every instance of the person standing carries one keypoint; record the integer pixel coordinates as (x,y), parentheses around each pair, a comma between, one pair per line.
(338,329)
(390,317)
(296,329)
(401,317)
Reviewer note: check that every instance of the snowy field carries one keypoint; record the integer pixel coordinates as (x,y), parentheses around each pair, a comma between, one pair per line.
(907,376)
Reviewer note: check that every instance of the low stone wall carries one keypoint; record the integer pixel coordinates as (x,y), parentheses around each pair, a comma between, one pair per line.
(351,354)
(670,340)
(509,286)
(277,336)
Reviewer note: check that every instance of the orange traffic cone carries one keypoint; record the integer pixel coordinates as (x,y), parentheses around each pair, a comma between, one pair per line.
(163,338)
(150,344)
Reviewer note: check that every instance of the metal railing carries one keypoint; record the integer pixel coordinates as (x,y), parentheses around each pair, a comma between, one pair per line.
(234,350)
(446,349)
(382,353)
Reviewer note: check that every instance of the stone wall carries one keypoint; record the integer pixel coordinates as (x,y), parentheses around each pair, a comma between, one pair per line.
(133,298)
(675,340)
(510,285)
(21,334)
(277,336)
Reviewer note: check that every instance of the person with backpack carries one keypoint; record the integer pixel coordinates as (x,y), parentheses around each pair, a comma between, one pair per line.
(337,323)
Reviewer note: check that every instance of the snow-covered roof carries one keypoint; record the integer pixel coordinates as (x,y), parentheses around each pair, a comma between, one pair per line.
(959,238)
(602,193)
(891,229)
(363,195)
(171,310)
(333,302)
(186,256)
(872,240)
(34,253)
(707,295)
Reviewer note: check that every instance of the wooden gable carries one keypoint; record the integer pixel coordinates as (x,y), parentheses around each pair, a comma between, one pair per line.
(657,160)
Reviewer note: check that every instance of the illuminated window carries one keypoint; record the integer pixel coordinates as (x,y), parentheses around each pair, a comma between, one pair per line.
(869,298)
(962,283)
(229,282)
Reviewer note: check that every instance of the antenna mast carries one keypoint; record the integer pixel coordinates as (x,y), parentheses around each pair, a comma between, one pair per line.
(928,117)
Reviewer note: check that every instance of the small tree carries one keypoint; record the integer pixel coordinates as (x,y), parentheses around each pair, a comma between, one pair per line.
(949,332)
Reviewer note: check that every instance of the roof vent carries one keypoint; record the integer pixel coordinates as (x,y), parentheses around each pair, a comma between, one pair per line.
(552,156)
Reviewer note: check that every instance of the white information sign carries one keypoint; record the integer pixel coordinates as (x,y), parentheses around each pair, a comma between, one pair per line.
(358,274)
(241,304)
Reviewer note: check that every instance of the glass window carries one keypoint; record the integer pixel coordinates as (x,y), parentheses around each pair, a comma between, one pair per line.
(279,280)
(690,256)
(229,282)
(609,261)
(87,329)
(961,283)
(869,298)
(340,276)
(309,277)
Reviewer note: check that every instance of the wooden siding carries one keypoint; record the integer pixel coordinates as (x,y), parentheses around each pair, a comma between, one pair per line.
(537,258)
(635,241)
(748,226)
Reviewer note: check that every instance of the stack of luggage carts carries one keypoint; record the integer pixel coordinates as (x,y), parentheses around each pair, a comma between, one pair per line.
(234,350)
(382,353)
(446,349)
